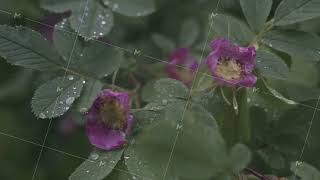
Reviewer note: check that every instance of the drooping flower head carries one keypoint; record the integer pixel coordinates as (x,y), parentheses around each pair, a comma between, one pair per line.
(181,66)
(109,120)
(232,65)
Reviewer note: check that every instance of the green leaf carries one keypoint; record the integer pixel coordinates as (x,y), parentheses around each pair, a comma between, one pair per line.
(240,157)
(92,21)
(98,166)
(298,44)
(89,94)
(24,47)
(278,95)
(273,158)
(131,8)
(59,6)
(164,90)
(305,171)
(93,58)
(271,65)
(121,172)
(232,28)
(55,97)
(293,11)
(190,31)
(198,133)
(164,43)
(256,12)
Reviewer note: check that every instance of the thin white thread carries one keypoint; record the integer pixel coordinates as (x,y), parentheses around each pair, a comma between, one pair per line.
(188,100)
(63,79)
(63,152)
(143,55)
(306,140)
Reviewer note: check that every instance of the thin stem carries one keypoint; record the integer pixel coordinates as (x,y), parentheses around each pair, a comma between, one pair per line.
(224,97)
(268,26)
(244,124)
(257,174)
(114,77)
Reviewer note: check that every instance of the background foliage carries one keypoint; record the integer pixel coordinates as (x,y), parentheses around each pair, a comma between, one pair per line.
(133,36)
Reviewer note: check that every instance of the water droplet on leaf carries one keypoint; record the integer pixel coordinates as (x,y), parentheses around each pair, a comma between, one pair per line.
(70,77)
(70,100)
(94,156)
(42,116)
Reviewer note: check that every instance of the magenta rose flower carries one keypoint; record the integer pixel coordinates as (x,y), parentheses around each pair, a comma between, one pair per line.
(232,65)
(109,120)
(182,66)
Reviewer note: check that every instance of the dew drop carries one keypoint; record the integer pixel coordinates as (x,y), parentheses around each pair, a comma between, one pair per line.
(126,157)
(83,110)
(103,22)
(70,77)
(115,7)
(179,126)
(101,34)
(42,116)
(83,82)
(59,89)
(102,163)
(94,156)
(70,100)
(298,163)
(164,101)
(87,171)
(106,2)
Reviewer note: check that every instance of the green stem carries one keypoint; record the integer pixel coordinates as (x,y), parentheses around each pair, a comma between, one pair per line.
(243,119)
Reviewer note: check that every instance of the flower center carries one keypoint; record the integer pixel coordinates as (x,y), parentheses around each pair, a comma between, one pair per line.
(228,69)
(113,115)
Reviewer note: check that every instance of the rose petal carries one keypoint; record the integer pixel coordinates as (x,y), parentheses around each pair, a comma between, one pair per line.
(105,138)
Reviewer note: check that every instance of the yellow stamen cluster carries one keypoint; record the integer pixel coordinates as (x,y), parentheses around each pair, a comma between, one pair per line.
(113,115)
(228,69)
